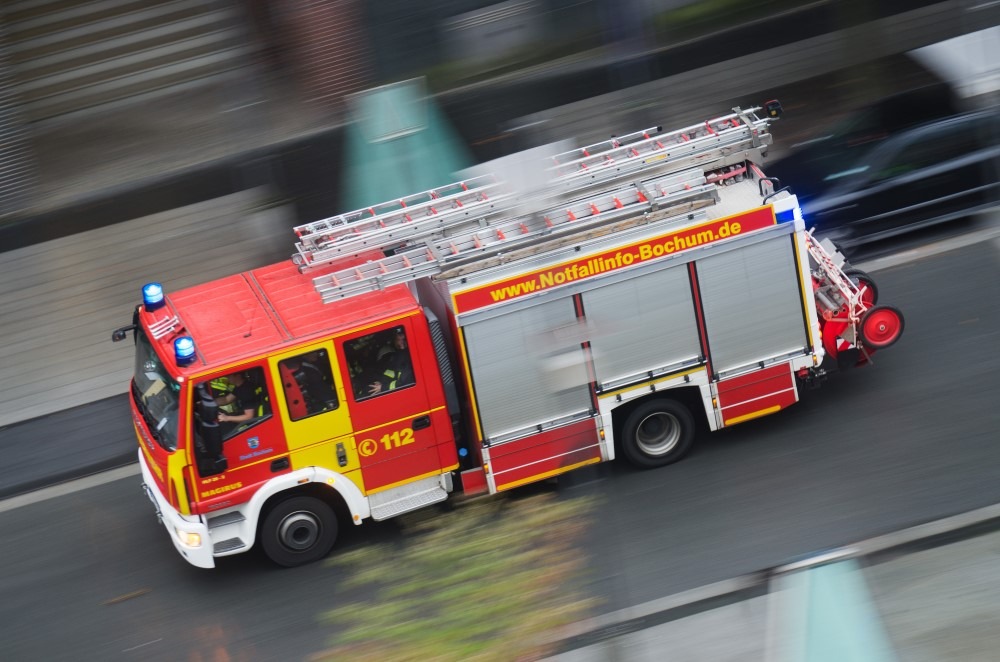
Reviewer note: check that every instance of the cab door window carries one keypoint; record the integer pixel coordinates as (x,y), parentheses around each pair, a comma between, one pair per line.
(379,363)
(307,381)
(242,398)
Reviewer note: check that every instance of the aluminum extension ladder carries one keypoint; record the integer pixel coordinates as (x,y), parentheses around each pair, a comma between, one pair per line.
(434,230)
(638,151)
(409,218)
(688,190)
(405,222)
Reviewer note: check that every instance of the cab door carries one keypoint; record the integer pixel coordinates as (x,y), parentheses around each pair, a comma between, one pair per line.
(402,427)
(254,450)
(312,406)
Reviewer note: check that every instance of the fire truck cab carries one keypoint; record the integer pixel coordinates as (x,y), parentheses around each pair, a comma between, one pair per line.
(325,417)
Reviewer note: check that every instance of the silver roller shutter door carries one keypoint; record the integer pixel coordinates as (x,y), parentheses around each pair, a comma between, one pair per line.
(753,308)
(523,374)
(642,324)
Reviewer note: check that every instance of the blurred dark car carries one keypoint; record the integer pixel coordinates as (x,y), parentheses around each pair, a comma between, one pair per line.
(931,173)
(812,166)
(901,163)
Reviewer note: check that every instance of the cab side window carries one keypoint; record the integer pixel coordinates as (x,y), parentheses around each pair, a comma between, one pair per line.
(379,363)
(242,398)
(307,381)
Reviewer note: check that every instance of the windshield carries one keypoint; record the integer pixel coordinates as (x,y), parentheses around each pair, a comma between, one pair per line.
(156,393)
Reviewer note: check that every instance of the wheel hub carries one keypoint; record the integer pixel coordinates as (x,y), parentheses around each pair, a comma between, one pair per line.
(658,433)
(299,531)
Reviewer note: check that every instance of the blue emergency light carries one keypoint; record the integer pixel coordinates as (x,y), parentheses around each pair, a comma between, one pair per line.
(152,296)
(184,351)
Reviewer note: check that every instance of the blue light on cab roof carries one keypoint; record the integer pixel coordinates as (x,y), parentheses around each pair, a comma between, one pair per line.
(152,296)
(184,351)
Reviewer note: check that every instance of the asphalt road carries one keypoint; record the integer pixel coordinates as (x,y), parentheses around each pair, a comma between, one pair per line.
(92,575)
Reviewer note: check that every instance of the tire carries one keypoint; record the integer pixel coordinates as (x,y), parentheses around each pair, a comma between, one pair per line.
(860,278)
(298,531)
(881,327)
(657,433)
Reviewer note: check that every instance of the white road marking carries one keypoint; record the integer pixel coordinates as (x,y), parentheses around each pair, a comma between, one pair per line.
(126,650)
(70,487)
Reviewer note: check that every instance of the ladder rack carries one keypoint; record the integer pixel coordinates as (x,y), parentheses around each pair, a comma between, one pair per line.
(688,188)
(479,202)
(640,151)
(426,233)
(385,223)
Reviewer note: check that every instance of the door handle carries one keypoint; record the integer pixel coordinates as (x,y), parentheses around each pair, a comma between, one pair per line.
(421,423)
(279,464)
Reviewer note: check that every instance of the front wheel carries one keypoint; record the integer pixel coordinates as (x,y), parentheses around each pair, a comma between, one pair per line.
(657,433)
(298,531)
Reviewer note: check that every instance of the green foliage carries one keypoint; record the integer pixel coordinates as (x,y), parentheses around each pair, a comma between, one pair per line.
(487,581)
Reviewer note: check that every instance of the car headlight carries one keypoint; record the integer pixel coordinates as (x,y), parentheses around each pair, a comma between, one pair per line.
(188,538)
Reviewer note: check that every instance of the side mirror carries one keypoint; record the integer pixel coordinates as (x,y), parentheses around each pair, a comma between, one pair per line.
(121,333)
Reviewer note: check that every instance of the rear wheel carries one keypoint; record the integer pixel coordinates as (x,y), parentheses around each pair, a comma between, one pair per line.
(863,280)
(298,530)
(881,327)
(657,433)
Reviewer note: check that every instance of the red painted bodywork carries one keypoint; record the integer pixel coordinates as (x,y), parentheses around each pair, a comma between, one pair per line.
(257,312)
(757,391)
(547,453)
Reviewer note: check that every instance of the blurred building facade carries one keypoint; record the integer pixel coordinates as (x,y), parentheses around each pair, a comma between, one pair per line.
(99,75)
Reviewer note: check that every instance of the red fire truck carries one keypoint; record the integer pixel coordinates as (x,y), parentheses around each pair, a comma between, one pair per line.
(459,339)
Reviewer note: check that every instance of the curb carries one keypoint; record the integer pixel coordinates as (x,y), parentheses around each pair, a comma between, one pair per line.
(57,479)
(68,487)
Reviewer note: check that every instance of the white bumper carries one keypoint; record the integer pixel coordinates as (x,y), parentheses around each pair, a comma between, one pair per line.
(199,556)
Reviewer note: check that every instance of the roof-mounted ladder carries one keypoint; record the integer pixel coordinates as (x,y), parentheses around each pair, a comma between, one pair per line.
(397,225)
(387,224)
(676,193)
(639,152)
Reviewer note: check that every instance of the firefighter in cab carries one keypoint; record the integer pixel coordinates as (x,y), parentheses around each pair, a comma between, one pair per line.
(393,366)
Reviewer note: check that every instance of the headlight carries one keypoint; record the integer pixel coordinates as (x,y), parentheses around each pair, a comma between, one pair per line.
(188,538)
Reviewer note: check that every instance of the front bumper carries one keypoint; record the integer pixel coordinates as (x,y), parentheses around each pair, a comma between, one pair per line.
(199,556)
